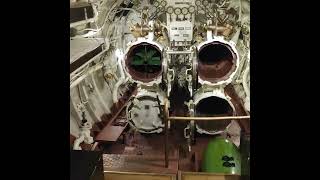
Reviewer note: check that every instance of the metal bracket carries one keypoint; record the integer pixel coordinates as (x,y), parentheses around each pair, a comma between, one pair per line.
(81,106)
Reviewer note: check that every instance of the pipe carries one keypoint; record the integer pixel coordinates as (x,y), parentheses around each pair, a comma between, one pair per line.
(244,81)
(237,34)
(121,79)
(179,52)
(77,142)
(94,146)
(208,118)
(209,35)
(100,98)
(240,11)
(107,15)
(78,23)
(88,62)
(130,9)
(166,138)
(235,37)
(82,77)
(89,108)
(104,22)
(166,146)
(223,3)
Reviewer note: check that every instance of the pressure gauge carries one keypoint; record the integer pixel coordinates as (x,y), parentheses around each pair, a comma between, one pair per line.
(163,3)
(170,10)
(162,9)
(205,3)
(198,2)
(177,11)
(184,11)
(191,9)
(156,3)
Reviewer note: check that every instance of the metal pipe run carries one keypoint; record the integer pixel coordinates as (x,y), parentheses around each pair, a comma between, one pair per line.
(179,52)
(166,145)
(208,118)
(85,64)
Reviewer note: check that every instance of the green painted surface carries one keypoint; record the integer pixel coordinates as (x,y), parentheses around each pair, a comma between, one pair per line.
(213,160)
(146,58)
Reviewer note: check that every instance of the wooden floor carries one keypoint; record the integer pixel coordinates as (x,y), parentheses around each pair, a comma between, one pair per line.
(139,163)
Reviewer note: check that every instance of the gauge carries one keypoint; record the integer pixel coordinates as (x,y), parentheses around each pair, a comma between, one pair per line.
(156,3)
(205,3)
(191,9)
(162,9)
(177,11)
(170,9)
(184,11)
(201,11)
(198,2)
(163,3)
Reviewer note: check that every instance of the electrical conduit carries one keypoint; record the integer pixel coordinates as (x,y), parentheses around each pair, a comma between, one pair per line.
(121,79)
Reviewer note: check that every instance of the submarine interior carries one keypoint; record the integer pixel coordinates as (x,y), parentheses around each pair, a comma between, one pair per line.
(160,89)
